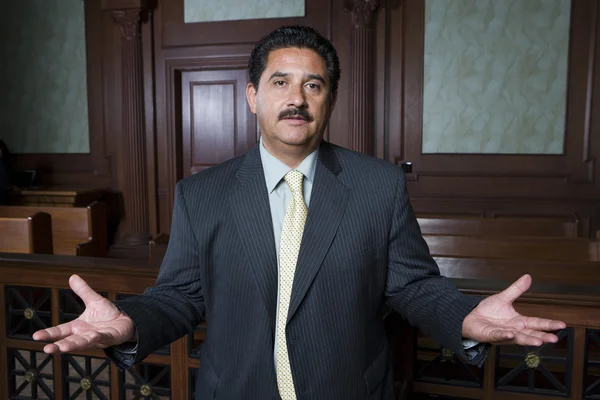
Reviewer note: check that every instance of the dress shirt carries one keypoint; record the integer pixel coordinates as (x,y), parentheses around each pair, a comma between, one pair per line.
(280,196)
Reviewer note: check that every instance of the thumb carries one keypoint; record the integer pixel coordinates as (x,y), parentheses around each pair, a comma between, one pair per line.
(515,290)
(83,290)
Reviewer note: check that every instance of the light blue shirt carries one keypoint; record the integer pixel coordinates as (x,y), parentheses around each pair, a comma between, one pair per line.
(280,196)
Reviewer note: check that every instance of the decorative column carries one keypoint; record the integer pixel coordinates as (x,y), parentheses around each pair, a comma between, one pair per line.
(362,127)
(134,229)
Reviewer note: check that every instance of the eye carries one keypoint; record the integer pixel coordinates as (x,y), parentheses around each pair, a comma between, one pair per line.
(314,86)
(279,83)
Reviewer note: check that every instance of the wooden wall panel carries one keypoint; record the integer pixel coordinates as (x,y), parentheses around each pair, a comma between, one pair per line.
(216,122)
(490,184)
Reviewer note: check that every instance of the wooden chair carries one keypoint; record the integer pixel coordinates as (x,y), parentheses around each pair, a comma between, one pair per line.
(31,234)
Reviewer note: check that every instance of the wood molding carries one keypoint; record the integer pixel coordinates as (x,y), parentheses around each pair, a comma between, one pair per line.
(111,5)
(362,100)
(363,12)
(173,133)
(134,230)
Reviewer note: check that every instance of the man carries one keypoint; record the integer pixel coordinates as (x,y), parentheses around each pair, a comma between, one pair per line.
(290,253)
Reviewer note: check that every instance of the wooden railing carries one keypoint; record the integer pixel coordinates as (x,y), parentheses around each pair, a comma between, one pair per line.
(34,293)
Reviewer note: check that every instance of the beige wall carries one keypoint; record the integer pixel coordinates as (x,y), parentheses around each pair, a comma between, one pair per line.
(495,76)
(228,10)
(43,88)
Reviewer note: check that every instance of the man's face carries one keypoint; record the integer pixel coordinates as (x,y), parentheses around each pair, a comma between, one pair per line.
(292,102)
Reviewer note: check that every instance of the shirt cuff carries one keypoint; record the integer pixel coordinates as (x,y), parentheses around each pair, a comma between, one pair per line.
(476,352)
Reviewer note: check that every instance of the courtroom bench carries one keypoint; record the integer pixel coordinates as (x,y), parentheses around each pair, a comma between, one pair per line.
(498,227)
(30,233)
(80,231)
(58,196)
(531,248)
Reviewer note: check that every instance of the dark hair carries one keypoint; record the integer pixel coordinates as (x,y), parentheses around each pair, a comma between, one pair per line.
(301,37)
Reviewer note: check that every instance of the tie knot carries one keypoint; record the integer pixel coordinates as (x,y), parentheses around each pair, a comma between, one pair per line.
(294,180)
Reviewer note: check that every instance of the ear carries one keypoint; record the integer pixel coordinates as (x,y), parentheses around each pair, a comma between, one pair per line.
(251,97)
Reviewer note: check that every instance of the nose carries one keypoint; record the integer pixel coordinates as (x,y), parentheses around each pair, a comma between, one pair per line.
(297,97)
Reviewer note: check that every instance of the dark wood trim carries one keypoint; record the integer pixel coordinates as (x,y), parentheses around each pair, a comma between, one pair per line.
(134,230)
(206,60)
(362,95)
(150,121)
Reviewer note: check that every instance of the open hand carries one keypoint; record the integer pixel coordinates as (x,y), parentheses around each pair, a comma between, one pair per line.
(100,326)
(495,320)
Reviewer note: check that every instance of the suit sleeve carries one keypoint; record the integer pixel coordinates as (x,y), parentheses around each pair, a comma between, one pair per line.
(174,306)
(416,290)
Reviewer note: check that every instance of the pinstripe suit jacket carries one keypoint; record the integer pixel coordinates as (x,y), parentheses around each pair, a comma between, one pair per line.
(362,250)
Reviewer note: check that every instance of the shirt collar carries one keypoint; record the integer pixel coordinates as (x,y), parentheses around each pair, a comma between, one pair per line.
(275,170)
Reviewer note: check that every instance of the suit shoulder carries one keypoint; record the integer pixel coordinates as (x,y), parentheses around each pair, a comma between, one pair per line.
(359,164)
(214,177)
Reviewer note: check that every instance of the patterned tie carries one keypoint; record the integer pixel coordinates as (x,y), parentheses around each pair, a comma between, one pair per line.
(291,236)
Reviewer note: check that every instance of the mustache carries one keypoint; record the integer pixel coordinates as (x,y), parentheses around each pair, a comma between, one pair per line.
(293,112)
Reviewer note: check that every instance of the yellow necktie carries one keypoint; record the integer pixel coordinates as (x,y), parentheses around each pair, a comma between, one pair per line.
(291,236)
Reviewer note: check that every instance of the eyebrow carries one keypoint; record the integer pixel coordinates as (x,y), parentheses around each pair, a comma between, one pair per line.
(279,74)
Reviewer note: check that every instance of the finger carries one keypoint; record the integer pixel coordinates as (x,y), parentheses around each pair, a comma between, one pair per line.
(543,336)
(534,338)
(54,333)
(544,324)
(515,290)
(501,335)
(86,341)
(83,290)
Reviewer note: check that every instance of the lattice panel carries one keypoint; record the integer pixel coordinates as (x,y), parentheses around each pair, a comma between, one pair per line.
(30,375)
(85,378)
(591,375)
(195,340)
(145,381)
(28,309)
(70,305)
(166,350)
(439,365)
(544,370)
(192,376)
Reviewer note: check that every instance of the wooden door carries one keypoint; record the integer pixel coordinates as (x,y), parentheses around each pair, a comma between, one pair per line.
(217,124)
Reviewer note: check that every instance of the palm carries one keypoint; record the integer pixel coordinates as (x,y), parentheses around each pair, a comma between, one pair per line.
(496,320)
(101,325)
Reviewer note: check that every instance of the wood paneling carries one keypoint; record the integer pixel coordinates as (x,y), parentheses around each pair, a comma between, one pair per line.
(489,184)
(186,65)
(216,122)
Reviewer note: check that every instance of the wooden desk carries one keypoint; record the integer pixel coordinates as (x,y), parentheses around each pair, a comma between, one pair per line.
(58,196)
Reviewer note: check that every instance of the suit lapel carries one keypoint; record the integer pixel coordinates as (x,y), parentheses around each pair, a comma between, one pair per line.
(327,205)
(252,213)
